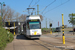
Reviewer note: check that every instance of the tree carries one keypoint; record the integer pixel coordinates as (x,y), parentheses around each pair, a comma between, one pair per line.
(72,19)
(17,16)
(41,17)
(22,18)
(8,13)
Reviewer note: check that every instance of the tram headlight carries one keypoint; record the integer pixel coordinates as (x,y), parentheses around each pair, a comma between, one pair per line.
(37,33)
(32,34)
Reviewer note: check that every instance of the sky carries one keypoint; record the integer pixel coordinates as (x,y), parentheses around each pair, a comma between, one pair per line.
(53,12)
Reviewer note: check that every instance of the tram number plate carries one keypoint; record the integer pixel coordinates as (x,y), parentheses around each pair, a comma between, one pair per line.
(35,33)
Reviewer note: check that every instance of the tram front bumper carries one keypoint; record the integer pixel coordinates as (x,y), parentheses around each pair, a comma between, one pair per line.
(34,36)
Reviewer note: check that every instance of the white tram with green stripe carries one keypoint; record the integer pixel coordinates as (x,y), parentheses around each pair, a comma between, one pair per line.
(32,26)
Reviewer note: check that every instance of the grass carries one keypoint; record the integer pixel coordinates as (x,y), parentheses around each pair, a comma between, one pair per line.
(68,29)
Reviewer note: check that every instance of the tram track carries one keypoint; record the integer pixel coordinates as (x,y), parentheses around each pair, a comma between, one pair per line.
(67,40)
(47,45)
(42,45)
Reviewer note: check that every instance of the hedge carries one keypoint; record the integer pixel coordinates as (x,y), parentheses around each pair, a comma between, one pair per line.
(5,37)
(0,21)
(48,29)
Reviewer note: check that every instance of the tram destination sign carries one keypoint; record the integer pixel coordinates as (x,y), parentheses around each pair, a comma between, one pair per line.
(34,20)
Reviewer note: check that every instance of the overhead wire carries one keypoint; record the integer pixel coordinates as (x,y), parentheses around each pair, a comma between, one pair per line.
(30,3)
(57,6)
(61,1)
(29,6)
(35,3)
(48,5)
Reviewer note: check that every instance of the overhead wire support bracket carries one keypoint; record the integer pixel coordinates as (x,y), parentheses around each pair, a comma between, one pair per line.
(32,11)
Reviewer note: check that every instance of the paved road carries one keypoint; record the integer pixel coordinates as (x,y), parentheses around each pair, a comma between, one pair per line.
(46,42)
(22,43)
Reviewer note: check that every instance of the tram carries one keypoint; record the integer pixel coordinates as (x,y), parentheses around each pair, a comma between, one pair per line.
(32,26)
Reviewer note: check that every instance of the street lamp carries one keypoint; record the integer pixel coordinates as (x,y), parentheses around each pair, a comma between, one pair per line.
(1,8)
(2,12)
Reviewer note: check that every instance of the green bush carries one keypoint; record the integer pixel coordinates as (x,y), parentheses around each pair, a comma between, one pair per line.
(47,30)
(0,21)
(10,37)
(5,38)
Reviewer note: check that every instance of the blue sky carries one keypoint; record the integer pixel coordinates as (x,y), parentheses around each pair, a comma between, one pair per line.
(53,16)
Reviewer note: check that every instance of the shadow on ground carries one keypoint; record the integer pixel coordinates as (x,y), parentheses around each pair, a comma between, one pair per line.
(23,37)
(70,31)
(20,37)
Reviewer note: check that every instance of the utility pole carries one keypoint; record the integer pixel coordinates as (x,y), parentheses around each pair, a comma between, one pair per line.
(37,9)
(49,21)
(58,23)
(2,11)
(46,22)
(35,13)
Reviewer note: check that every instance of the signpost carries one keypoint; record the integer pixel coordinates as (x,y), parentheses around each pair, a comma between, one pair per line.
(63,36)
(14,28)
(50,28)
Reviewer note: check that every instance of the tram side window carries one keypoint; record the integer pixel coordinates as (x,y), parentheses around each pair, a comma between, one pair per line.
(40,25)
(27,26)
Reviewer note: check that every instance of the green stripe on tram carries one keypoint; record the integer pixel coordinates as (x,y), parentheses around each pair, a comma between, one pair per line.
(33,22)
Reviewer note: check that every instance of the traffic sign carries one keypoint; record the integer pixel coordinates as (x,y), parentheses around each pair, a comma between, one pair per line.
(50,24)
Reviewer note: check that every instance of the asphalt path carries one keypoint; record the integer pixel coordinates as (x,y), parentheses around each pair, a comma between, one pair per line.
(46,42)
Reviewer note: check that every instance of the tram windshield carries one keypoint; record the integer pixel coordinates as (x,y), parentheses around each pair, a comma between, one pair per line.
(34,25)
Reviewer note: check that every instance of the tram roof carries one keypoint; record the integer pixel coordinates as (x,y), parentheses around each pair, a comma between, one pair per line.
(33,17)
